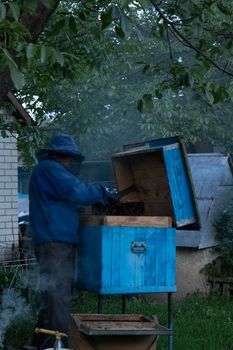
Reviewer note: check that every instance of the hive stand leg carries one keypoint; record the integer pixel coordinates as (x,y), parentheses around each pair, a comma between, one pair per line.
(100,304)
(170,319)
(123,297)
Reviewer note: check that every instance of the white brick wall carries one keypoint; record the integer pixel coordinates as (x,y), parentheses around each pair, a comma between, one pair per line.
(8,191)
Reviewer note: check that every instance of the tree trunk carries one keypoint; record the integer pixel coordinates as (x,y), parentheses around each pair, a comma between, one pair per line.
(35,23)
(5,85)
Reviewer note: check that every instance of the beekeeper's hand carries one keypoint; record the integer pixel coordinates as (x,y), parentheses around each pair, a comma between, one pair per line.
(112,195)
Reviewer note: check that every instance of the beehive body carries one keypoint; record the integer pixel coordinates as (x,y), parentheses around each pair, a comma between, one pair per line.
(112,261)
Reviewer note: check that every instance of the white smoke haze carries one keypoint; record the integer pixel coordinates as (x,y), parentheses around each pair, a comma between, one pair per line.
(29,279)
(12,305)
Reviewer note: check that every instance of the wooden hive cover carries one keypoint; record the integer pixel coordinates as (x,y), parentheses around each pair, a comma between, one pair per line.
(157,174)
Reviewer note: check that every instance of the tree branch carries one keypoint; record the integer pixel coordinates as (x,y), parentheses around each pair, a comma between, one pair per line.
(35,23)
(187,41)
(169,43)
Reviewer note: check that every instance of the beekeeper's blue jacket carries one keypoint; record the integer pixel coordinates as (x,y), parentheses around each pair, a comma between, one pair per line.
(55,195)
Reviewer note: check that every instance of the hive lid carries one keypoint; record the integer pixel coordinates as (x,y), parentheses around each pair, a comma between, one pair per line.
(157,173)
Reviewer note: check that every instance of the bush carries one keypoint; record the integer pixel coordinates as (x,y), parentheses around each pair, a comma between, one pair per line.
(223,265)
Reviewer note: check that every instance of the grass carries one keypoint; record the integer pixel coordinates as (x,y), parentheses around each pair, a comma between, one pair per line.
(200,323)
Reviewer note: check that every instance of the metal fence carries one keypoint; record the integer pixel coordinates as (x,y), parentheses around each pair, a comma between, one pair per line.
(16,254)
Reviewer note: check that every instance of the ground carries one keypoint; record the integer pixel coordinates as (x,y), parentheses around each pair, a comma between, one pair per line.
(200,322)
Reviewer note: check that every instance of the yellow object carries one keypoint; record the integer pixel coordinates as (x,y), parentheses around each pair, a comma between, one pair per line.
(57,334)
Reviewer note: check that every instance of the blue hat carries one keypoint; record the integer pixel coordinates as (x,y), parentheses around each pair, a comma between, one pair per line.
(64,144)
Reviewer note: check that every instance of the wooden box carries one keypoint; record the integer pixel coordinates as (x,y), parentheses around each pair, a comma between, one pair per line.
(122,254)
(157,174)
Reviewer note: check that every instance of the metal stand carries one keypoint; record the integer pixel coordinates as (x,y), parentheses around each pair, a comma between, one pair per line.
(100,304)
(170,320)
(123,303)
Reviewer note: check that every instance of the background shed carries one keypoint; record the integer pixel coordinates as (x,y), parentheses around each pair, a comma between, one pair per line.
(213,183)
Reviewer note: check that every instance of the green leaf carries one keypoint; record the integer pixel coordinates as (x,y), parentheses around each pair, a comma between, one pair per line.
(15,10)
(149,106)
(145,4)
(184,79)
(76,58)
(119,32)
(191,80)
(140,105)
(48,3)
(58,26)
(223,9)
(2,12)
(82,16)
(17,78)
(161,30)
(106,18)
(207,64)
(44,52)
(19,47)
(72,24)
(125,24)
(30,50)
(116,12)
(209,96)
(158,94)
(125,3)
(31,5)
(8,57)
(220,94)
(128,67)
(59,58)
(145,68)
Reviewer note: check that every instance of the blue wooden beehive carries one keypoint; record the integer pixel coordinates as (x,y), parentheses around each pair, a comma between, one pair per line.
(121,254)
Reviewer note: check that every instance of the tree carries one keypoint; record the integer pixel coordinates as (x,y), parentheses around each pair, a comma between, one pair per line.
(21,23)
(100,107)
(82,36)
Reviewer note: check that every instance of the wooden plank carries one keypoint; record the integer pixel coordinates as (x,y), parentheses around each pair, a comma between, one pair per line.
(22,113)
(115,257)
(131,221)
(221,279)
(110,317)
(138,221)
(124,177)
(147,172)
(160,254)
(106,257)
(127,258)
(170,257)
(180,191)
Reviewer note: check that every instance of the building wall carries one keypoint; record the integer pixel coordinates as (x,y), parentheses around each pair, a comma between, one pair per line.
(189,263)
(8,196)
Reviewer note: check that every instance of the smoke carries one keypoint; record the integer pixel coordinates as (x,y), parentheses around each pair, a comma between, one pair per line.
(13,305)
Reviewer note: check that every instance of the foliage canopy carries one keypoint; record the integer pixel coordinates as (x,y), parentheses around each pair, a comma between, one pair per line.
(170,60)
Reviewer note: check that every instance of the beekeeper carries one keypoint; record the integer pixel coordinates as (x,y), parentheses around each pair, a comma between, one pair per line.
(55,194)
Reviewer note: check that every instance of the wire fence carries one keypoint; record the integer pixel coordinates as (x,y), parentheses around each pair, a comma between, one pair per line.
(17,254)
